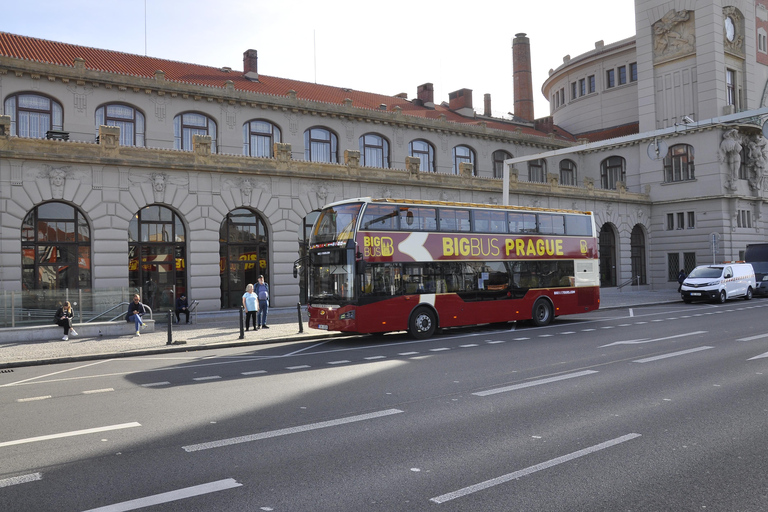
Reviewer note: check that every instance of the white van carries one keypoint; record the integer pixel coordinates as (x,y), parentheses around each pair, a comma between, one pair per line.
(719,282)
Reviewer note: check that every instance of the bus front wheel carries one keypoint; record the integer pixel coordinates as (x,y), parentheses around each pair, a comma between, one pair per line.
(423,323)
(542,313)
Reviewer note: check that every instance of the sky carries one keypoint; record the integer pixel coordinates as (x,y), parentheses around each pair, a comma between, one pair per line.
(386,48)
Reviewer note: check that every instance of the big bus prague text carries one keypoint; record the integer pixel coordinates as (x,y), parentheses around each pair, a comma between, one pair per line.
(379,265)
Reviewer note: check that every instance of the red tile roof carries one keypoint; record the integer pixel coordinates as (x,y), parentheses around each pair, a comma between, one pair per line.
(611,133)
(64,54)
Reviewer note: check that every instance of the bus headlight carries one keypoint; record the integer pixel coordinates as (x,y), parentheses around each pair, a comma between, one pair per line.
(349,315)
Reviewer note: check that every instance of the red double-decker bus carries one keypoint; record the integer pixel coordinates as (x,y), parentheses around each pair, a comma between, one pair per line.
(380,265)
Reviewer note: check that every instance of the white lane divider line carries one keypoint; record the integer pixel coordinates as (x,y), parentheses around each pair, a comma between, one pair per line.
(343,361)
(167,497)
(469,345)
(672,354)
(761,356)
(635,342)
(94,391)
(752,338)
(21,479)
(290,430)
(373,358)
(407,353)
(255,372)
(441,349)
(33,398)
(300,367)
(209,377)
(154,384)
(539,382)
(71,434)
(532,469)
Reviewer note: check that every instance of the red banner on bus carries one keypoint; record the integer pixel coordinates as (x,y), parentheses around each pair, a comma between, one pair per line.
(422,246)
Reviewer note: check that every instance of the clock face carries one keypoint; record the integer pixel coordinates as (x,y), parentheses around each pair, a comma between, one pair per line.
(730,29)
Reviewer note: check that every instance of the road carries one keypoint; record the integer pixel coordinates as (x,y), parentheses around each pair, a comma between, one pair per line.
(645,409)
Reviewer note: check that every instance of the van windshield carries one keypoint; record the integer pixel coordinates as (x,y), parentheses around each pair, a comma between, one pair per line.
(706,272)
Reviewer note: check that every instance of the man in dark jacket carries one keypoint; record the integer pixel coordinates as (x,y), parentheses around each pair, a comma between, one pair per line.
(680,278)
(182,308)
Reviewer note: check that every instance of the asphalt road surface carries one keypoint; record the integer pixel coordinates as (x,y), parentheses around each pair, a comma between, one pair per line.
(653,408)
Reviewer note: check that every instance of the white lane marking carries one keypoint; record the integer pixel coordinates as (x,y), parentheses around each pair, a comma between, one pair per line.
(373,358)
(407,353)
(54,373)
(34,398)
(290,430)
(300,367)
(534,383)
(209,377)
(751,338)
(305,348)
(631,312)
(568,332)
(494,342)
(635,342)
(93,391)
(469,345)
(71,434)
(441,349)
(255,372)
(520,339)
(166,497)
(532,469)
(153,384)
(672,354)
(21,479)
(343,361)
(758,357)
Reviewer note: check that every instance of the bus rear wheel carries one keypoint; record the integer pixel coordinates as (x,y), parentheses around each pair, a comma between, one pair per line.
(542,312)
(423,323)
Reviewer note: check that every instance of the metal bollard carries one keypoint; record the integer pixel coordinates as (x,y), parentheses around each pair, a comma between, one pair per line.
(242,327)
(298,309)
(170,328)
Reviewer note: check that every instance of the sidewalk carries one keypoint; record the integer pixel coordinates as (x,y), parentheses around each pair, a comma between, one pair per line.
(221,330)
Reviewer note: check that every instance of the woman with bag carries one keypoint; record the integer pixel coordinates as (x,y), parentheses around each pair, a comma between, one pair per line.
(63,318)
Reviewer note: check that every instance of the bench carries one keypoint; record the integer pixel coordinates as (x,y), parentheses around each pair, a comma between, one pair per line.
(53,332)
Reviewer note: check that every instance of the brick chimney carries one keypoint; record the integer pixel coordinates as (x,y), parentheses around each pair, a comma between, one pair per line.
(487,105)
(523,84)
(426,94)
(461,102)
(250,65)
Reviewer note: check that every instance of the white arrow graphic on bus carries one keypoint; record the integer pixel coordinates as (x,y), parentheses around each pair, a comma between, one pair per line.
(413,246)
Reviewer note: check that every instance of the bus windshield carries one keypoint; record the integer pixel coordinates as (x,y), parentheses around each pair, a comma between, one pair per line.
(335,224)
(330,276)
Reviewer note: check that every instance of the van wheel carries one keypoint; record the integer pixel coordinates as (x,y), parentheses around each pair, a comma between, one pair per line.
(423,323)
(542,313)
(722,297)
(748,296)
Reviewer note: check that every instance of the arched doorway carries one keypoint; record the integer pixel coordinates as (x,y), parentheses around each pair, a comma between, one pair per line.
(607,249)
(243,254)
(157,249)
(637,254)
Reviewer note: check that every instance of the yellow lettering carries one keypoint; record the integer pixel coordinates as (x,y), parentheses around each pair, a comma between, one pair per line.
(464,247)
(520,247)
(387,247)
(531,249)
(540,247)
(550,245)
(447,247)
(559,248)
(509,246)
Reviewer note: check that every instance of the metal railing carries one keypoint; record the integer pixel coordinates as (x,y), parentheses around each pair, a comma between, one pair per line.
(629,282)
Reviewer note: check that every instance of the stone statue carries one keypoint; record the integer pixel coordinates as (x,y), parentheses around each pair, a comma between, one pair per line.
(757,154)
(730,155)
(57,178)
(673,35)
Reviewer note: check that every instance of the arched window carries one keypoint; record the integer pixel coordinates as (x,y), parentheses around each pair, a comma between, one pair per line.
(259,138)
(637,254)
(157,256)
(498,162)
(612,170)
(678,164)
(32,115)
(374,151)
(463,155)
(537,171)
(191,123)
(244,254)
(55,248)
(568,173)
(425,152)
(321,145)
(128,119)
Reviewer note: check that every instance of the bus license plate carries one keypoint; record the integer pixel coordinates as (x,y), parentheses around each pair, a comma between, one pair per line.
(324,327)
(695,294)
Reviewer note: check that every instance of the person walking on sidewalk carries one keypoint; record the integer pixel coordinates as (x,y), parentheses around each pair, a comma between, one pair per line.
(251,306)
(262,290)
(680,278)
(135,311)
(64,319)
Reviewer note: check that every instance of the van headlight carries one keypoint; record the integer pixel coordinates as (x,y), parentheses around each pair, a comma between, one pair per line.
(713,283)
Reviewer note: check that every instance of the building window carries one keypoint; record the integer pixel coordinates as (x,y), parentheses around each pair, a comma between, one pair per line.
(730,86)
(574,90)
(320,145)
(743,219)
(591,86)
(374,151)
(612,171)
(762,40)
(568,173)
(498,163)
(582,87)
(670,221)
(537,171)
(743,170)
(259,138)
(32,115)
(622,75)
(425,152)
(673,266)
(637,254)
(680,220)
(243,254)
(185,126)
(562,95)
(689,261)
(128,119)
(633,72)
(678,164)
(463,154)
(55,248)
(610,79)
(691,220)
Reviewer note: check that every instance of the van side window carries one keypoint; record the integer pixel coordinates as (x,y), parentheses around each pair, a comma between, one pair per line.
(728,273)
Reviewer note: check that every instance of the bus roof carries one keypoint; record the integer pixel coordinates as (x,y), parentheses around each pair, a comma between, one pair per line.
(457,204)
